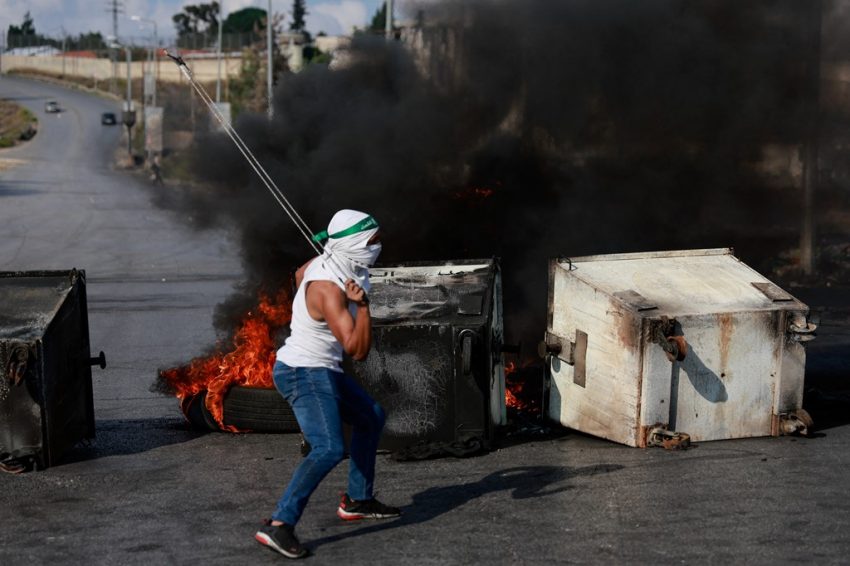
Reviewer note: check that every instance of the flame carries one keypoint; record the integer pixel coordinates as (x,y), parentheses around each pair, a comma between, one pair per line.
(474,194)
(249,362)
(513,388)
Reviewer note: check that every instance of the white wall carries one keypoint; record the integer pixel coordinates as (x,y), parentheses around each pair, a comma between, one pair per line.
(205,70)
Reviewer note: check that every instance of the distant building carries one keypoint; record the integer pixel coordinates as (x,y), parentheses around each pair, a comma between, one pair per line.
(332,43)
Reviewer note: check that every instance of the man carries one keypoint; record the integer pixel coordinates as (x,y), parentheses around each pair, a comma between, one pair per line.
(330,315)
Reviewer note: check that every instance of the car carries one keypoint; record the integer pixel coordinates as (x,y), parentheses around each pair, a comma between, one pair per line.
(52,107)
(108,119)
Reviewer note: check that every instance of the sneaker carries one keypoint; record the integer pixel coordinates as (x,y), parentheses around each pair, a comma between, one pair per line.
(350,510)
(281,539)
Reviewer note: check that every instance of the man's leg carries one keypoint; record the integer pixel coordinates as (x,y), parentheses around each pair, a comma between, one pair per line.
(311,392)
(367,420)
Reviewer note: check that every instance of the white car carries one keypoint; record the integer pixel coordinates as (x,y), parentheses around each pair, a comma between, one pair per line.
(52,107)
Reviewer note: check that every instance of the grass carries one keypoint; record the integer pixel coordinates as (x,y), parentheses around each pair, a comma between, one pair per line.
(16,124)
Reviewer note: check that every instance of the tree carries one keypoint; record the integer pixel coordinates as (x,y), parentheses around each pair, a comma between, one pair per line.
(26,28)
(315,56)
(379,20)
(197,18)
(92,40)
(246,20)
(299,12)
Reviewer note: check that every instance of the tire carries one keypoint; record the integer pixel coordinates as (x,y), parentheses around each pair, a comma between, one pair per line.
(258,410)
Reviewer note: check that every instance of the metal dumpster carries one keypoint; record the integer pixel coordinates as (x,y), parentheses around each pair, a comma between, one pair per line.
(436,364)
(46,402)
(692,341)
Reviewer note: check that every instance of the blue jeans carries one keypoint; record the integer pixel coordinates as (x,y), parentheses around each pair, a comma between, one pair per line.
(322,400)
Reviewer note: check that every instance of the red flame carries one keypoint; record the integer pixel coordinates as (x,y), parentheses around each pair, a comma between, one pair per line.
(249,363)
(513,388)
(474,194)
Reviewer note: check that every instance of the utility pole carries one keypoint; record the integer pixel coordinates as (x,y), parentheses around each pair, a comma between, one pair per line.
(389,20)
(129,115)
(116,7)
(812,133)
(153,56)
(131,121)
(218,49)
(269,57)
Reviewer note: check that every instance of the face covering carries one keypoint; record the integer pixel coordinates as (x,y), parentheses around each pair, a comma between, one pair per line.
(346,254)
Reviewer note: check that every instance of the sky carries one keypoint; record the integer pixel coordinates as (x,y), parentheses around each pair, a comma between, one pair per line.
(334,17)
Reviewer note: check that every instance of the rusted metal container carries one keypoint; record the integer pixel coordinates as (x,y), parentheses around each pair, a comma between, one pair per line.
(436,364)
(46,402)
(639,345)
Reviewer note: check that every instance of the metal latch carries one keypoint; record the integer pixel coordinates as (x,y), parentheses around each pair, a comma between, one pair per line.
(658,435)
(795,422)
(572,353)
(800,329)
(675,346)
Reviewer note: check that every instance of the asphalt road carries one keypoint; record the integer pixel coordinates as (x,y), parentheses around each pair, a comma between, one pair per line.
(150,491)
(152,280)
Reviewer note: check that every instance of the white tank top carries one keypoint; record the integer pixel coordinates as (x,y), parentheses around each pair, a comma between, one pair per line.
(311,343)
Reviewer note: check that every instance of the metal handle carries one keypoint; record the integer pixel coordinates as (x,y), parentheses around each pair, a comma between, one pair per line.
(100,360)
(675,346)
(465,336)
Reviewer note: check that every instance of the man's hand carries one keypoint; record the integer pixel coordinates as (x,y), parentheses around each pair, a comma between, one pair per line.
(355,293)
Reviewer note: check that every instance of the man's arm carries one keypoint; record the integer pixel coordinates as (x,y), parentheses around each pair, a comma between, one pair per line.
(331,304)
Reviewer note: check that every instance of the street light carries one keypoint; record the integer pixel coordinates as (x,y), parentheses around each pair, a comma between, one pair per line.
(129,116)
(153,57)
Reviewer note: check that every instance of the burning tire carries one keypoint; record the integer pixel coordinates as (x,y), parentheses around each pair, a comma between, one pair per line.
(247,408)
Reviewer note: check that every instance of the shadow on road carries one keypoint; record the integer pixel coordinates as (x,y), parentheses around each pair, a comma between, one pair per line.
(827,384)
(124,437)
(19,188)
(827,394)
(524,482)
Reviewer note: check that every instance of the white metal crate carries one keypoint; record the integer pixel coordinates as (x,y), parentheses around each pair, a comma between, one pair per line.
(616,321)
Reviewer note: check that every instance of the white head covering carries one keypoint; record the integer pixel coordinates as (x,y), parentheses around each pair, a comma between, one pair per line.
(347,254)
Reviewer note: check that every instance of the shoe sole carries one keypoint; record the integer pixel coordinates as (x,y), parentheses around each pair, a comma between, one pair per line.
(269,542)
(349,516)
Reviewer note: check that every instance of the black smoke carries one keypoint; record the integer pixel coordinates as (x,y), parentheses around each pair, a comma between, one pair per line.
(531,129)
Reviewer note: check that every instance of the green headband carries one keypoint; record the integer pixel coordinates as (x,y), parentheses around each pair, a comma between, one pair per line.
(366,224)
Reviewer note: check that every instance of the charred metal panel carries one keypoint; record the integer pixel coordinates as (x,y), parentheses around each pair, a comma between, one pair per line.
(436,361)
(739,362)
(46,402)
